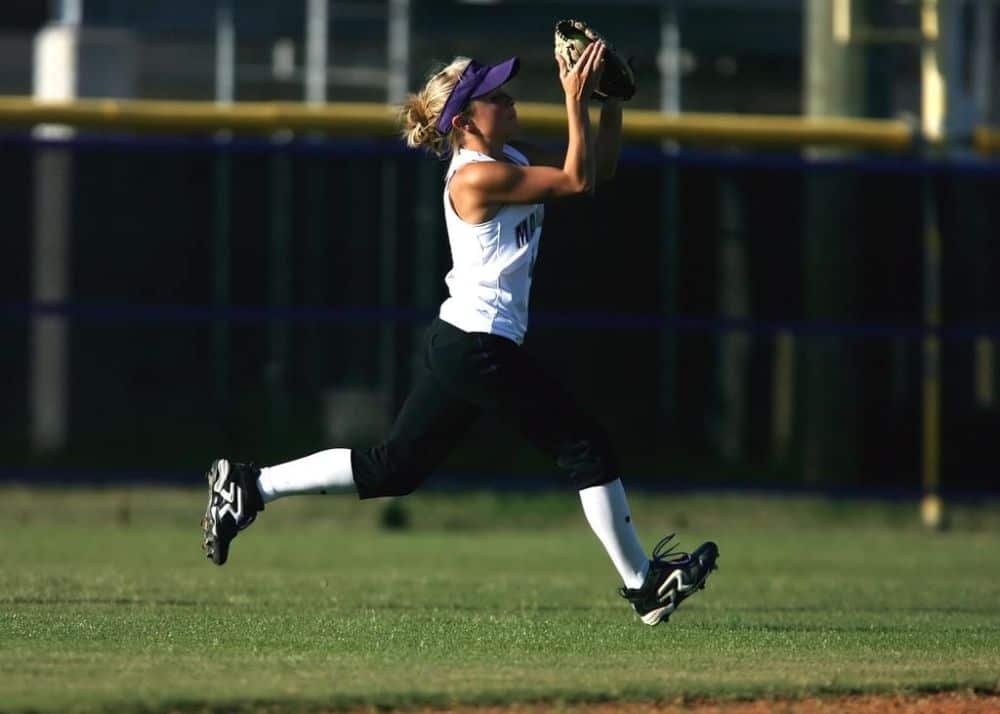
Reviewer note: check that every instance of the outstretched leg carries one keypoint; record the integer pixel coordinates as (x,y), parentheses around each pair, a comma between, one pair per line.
(431,422)
(426,429)
(551,419)
(326,471)
(607,512)
(549,416)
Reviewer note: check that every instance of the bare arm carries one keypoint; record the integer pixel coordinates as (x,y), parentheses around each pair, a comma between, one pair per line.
(609,139)
(486,183)
(580,160)
(478,186)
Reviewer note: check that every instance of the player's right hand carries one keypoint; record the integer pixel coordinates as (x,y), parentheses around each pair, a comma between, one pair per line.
(579,82)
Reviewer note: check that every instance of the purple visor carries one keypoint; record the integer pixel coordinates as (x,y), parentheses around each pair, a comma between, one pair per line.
(476,80)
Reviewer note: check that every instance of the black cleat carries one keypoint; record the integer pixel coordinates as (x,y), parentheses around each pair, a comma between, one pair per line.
(233,504)
(671,582)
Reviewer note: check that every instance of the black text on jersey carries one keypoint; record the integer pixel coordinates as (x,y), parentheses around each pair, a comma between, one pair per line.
(526,228)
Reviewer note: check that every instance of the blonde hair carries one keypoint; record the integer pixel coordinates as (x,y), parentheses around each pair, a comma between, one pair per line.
(420,112)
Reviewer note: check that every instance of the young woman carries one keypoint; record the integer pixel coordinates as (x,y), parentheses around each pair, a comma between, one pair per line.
(472,356)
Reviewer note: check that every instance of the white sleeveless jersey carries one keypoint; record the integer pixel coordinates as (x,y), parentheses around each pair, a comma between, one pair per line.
(492,261)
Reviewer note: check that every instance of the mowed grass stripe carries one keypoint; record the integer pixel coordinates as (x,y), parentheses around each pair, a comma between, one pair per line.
(106,604)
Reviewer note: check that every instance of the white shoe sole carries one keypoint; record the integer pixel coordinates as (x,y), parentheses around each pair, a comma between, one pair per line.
(216,476)
(672,588)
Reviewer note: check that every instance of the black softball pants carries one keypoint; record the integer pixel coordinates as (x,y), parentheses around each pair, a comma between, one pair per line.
(463,375)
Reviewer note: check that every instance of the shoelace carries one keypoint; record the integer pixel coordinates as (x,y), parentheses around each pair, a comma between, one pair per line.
(661,552)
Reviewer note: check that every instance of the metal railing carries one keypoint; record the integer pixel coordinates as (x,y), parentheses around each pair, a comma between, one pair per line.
(369,119)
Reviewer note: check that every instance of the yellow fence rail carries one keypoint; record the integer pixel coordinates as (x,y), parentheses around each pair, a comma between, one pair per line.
(196,117)
(368,119)
(739,129)
(371,119)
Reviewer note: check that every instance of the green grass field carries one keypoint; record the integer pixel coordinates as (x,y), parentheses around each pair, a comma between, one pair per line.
(107,604)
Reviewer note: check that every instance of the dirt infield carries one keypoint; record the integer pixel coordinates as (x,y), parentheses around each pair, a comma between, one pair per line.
(948,703)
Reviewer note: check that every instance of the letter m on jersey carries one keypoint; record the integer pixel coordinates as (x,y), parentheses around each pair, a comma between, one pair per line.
(524,230)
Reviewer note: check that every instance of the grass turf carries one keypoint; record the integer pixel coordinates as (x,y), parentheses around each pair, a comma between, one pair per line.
(106,603)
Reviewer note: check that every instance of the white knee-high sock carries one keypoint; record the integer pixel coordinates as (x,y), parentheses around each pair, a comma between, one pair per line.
(324,472)
(606,509)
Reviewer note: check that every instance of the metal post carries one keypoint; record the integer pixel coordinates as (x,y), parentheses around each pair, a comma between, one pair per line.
(316,230)
(931,507)
(427,246)
(933,115)
(932,94)
(225,52)
(670,103)
(49,336)
(838,81)
(68,12)
(670,59)
(225,90)
(734,302)
(280,288)
(982,62)
(55,77)
(317,32)
(399,50)
(388,330)
(398,85)
(315,269)
(982,88)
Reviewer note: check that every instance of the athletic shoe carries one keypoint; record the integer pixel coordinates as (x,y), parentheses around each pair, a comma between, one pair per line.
(671,580)
(233,504)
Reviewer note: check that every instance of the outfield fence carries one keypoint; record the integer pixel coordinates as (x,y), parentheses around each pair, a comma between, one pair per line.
(763,313)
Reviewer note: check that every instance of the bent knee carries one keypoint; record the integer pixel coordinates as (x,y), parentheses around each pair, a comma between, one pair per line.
(589,461)
(391,469)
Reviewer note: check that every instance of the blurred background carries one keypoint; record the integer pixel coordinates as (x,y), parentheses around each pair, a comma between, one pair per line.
(786,315)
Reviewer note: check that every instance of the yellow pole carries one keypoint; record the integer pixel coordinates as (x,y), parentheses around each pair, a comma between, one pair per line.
(932,511)
(934,103)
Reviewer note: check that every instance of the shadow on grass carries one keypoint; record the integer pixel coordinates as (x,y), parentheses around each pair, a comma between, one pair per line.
(485,609)
(942,610)
(517,701)
(97,601)
(872,629)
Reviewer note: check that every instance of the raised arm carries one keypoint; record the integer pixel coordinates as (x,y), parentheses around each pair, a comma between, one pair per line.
(609,139)
(477,186)
(607,144)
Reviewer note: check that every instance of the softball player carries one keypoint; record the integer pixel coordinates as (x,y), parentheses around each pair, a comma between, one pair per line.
(472,357)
